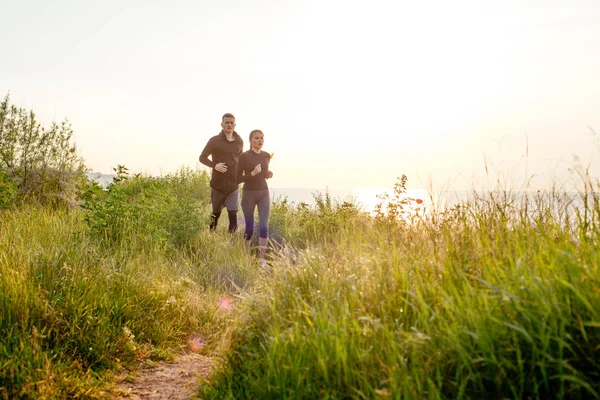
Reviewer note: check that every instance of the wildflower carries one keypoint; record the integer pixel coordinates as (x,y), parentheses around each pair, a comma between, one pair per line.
(419,201)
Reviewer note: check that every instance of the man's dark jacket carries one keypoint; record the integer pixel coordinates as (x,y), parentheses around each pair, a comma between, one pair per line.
(222,150)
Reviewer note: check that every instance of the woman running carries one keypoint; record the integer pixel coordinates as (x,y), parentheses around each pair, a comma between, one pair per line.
(253,171)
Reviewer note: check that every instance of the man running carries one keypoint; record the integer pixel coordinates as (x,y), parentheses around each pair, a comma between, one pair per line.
(224,149)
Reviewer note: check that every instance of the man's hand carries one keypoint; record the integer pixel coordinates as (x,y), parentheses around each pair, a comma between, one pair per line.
(256,170)
(269,174)
(221,167)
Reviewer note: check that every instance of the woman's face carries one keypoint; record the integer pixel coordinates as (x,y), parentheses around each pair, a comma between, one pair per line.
(257,140)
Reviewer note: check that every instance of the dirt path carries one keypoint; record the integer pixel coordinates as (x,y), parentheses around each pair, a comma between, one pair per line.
(176,380)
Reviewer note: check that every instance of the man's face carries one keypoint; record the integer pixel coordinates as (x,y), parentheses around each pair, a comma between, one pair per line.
(228,124)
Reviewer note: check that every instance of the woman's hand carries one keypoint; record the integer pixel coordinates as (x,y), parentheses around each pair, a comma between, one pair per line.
(269,174)
(256,170)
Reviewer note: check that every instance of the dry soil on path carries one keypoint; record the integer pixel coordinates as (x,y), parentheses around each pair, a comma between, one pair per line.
(174,380)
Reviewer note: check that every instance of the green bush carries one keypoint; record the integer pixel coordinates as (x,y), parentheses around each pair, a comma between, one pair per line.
(169,209)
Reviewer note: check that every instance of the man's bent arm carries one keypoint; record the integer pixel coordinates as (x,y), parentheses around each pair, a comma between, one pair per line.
(204,156)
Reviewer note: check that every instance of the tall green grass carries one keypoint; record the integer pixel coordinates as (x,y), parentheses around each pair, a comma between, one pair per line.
(488,299)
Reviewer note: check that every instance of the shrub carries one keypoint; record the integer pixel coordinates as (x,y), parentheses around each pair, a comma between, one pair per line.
(397,209)
(167,209)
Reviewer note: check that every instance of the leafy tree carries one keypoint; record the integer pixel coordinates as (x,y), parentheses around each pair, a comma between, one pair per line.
(42,163)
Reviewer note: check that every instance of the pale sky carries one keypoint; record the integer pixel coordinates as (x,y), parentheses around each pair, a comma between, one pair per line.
(348,93)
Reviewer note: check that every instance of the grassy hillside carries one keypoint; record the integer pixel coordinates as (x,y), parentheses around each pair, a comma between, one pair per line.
(86,291)
(494,298)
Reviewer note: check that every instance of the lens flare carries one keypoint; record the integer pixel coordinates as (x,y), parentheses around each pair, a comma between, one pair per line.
(225,303)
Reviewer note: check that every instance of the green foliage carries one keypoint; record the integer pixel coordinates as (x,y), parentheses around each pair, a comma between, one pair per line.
(42,162)
(168,209)
(8,191)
